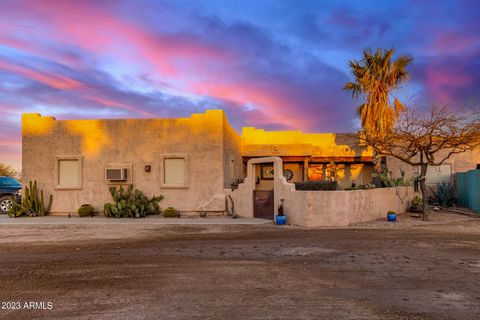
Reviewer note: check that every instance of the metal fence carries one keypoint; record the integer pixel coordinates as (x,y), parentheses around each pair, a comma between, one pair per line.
(468,189)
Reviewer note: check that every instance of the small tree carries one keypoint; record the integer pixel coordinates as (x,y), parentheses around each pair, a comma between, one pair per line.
(423,138)
(6,170)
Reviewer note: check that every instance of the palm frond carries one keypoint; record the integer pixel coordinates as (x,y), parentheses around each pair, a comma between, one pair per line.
(376,76)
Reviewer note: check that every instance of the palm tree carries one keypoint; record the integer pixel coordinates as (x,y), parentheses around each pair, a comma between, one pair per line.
(375,78)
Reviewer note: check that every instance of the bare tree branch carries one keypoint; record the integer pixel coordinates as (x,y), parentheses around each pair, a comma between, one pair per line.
(424,138)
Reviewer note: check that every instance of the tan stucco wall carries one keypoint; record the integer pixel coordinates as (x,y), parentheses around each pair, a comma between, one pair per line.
(232,146)
(459,163)
(342,208)
(262,143)
(136,143)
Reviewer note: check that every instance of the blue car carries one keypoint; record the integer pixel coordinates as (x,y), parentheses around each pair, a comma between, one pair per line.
(9,188)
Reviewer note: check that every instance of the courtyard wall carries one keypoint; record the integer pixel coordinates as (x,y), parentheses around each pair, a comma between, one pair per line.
(343,208)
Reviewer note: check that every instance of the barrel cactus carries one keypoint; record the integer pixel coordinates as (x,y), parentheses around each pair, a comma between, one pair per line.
(86,210)
(170,212)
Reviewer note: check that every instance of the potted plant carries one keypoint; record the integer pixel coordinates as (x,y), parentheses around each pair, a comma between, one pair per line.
(86,210)
(391,216)
(281,218)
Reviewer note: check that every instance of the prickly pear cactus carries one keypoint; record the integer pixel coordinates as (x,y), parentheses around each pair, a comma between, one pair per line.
(131,203)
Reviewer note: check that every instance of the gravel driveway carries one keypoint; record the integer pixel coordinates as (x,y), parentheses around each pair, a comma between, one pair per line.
(378,270)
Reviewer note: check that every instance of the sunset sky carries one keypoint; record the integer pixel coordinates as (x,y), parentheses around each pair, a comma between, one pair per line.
(277,64)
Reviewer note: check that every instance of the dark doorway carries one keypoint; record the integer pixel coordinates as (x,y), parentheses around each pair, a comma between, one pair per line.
(263,204)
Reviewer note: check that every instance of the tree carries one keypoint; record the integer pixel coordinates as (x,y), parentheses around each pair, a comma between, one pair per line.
(376,76)
(423,138)
(6,170)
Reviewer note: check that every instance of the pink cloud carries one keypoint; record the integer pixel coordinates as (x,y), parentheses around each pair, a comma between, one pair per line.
(443,81)
(115,104)
(54,81)
(273,103)
(88,25)
(174,56)
(186,63)
(449,42)
(10,143)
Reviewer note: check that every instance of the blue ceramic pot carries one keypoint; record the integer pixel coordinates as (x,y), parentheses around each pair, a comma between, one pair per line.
(392,217)
(281,219)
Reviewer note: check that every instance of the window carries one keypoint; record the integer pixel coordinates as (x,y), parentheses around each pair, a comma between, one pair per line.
(174,171)
(69,172)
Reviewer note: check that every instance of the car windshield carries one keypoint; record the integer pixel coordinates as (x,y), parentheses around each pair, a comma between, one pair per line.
(9,182)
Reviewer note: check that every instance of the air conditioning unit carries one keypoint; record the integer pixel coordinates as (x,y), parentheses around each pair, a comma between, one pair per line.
(116,174)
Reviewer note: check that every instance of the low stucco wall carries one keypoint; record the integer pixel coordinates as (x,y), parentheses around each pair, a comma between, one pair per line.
(343,208)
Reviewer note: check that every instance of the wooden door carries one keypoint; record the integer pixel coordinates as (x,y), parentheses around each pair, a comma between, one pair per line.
(263,204)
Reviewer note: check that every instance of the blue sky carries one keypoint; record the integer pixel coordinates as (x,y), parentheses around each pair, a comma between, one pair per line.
(269,64)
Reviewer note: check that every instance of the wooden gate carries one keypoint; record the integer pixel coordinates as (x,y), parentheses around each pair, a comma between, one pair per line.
(263,204)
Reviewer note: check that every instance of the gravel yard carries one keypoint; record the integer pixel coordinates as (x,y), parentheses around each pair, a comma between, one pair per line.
(97,268)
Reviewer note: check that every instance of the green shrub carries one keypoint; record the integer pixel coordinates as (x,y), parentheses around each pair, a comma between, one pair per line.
(316,185)
(131,204)
(86,210)
(356,187)
(32,204)
(170,212)
(445,194)
(417,204)
(387,180)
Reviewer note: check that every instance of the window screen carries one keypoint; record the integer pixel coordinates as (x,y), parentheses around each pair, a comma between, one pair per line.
(68,173)
(174,173)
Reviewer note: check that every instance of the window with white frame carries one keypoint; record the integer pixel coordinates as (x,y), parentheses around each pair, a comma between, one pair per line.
(69,172)
(174,171)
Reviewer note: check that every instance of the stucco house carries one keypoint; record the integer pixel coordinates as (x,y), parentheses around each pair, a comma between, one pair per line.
(193,161)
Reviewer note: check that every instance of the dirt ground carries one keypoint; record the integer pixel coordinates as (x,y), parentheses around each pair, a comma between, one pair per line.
(378,270)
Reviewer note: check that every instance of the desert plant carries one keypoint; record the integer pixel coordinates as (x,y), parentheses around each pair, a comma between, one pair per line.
(445,194)
(32,204)
(417,204)
(170,212)
(316,185)
(234,184)
(131,203)
(387,179)
(86,210)
(281,211)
